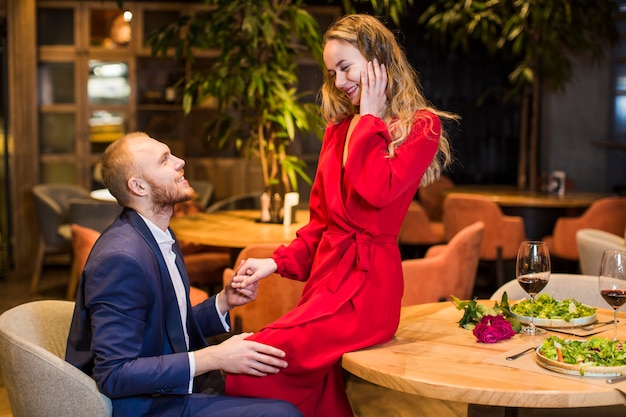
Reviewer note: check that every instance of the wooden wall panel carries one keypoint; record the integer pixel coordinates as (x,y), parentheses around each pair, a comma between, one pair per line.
(23,134)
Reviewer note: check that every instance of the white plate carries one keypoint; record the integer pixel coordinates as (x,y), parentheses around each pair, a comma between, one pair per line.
(589,371)
(558,323)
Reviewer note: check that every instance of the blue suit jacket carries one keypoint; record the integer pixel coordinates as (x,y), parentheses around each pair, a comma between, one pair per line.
(126,331)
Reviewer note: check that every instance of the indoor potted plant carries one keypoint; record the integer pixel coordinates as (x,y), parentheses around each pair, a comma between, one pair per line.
(252,79)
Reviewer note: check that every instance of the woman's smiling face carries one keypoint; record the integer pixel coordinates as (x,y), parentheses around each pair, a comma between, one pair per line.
(344,63)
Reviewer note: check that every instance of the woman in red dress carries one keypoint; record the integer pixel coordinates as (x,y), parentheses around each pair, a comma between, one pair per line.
(382,140)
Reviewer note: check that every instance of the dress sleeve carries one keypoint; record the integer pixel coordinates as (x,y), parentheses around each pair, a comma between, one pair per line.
(378,179)
(295,260)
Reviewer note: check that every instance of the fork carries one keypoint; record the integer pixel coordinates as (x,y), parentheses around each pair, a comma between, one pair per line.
(594,325)
(522,353)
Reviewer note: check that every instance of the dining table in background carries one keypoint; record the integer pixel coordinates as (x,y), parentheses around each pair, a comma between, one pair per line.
(432,356)
(235,229)
(539,209)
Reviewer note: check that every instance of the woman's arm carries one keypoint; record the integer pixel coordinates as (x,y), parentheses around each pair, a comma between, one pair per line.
(379,179)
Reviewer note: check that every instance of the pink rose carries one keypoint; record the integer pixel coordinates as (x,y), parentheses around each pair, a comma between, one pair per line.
(492,329)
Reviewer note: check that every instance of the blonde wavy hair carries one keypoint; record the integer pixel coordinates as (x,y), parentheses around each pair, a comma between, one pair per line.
(404,96)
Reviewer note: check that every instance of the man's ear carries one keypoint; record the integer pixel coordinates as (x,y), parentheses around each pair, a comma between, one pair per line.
(137,186)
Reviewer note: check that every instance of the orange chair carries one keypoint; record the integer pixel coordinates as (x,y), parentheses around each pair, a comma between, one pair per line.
(445,270)
(83,239)
(607,214)
(277,295)
(431,197)
(418,232)
(503,234)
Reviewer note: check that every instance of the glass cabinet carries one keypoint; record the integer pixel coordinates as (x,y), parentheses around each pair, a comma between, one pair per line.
(97,80)
(85,74)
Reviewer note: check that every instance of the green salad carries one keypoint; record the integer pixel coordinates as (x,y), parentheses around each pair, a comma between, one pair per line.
(596,351)
(546,307)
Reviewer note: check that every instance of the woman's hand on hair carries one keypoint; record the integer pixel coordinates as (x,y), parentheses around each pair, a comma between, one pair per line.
(373,89)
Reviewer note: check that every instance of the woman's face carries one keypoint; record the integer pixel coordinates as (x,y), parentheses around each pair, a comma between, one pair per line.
(344,63)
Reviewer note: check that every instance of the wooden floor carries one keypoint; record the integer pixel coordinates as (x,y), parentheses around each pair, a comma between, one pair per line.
(367,400)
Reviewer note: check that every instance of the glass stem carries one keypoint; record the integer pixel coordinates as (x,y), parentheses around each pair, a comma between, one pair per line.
(614,323)
(532,311)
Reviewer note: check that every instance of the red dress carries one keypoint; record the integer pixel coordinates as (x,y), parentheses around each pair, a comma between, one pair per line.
(349,257)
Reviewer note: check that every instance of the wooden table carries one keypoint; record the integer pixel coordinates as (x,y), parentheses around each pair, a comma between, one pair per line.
(539,210)
(507,196)
(234,229)
(432,356)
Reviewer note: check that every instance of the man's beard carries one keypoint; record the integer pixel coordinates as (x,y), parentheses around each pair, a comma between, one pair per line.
(164,198)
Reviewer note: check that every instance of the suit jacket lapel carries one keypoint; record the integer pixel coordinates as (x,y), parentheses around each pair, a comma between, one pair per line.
(180,263)
(173,323)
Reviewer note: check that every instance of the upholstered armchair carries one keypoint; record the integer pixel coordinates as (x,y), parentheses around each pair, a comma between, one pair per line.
(503,234)
(52,205)
(204,192)
(418,231)
(92,213)
(247,201)
(607,214)
(83,239)
(591,244)
(39,381)
(431,197)
(277,295)
(583,288)
(445,270)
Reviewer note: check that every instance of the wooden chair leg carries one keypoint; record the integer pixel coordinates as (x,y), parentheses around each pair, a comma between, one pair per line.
(499,268)
(34,281)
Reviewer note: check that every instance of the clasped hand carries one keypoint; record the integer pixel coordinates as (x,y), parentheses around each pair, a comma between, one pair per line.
(251,271)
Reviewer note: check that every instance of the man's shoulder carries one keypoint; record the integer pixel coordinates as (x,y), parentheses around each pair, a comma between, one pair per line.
(121,236)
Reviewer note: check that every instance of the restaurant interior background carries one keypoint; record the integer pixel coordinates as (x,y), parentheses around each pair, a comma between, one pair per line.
(4,154)
(582,128)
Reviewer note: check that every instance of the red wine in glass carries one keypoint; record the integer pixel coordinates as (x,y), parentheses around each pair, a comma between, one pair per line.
(612,281)
(615,298)
(533,283)
(532,271)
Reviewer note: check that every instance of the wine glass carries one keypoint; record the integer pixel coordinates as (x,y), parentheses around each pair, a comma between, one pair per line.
(533,272)
(612,281)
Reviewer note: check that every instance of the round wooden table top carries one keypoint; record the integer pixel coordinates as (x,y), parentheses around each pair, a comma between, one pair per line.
(511,196)
(432,356)
(234,228)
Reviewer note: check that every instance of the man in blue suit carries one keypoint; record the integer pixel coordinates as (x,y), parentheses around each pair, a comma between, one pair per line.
(134,330)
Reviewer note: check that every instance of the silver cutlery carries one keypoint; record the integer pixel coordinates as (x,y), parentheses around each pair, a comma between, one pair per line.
(522,353)
(594,325)
(615,379)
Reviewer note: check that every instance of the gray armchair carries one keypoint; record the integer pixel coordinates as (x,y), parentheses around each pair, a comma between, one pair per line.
(204,192)
(94,214)
(39,381)
(583,288)
(591,245)
(247,201)
(52,204)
